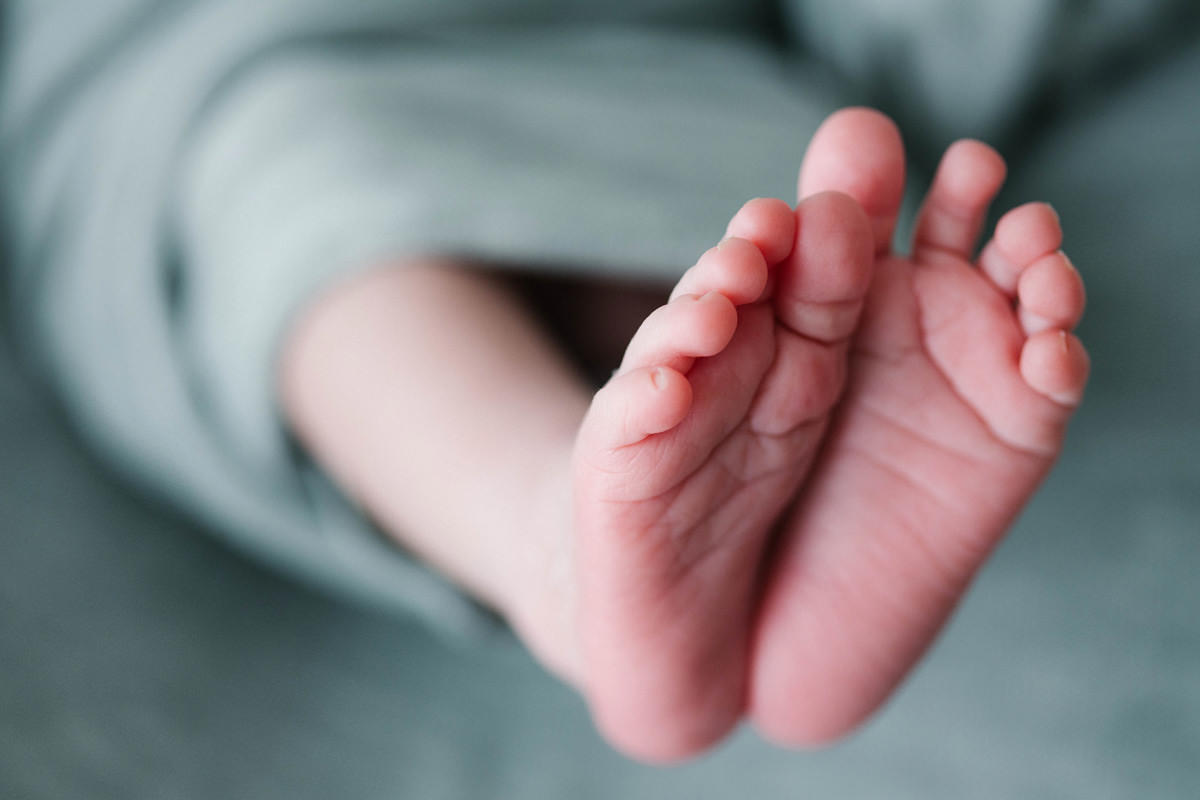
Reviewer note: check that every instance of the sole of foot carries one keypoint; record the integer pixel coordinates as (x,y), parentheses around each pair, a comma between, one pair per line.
(688,457)
(964,374)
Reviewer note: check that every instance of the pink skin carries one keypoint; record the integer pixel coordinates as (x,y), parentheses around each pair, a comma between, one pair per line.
(739,547)
(690,454)
(963,378)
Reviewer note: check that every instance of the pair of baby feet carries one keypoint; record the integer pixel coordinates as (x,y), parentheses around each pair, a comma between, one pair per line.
(809,451)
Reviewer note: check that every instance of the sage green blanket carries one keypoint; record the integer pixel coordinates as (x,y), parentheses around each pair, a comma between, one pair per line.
(181,176)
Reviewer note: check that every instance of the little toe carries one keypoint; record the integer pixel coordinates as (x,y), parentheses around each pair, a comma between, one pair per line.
(769,223)
(1050,295)
(1023,235)
(859,151)
(966,180)
(821,286)
(1055,364)
(687,328)
(736,268)
(635,405)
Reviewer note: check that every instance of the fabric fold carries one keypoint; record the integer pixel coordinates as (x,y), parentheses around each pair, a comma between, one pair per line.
(230,160)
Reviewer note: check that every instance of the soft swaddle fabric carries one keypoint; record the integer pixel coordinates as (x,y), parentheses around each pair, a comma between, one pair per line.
(182,176)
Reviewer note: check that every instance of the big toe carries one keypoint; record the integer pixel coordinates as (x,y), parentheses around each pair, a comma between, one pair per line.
(823,282)
(859,151)
(821,288)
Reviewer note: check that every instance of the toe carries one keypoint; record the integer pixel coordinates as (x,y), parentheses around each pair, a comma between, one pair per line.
(967,179)
(821,285)
(971,335)
(767,222)
(736,268)
(1023,235)
(633,406)
(1050,295)
(1055,365)
(858,151)
(687,328)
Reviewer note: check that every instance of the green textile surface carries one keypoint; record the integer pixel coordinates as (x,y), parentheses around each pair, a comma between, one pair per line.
(141,659)
(180,177)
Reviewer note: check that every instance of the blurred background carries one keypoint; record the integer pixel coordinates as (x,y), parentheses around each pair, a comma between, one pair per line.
(140,657)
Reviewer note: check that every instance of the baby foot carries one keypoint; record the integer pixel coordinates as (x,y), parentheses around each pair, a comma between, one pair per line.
(963,377)
(689,455)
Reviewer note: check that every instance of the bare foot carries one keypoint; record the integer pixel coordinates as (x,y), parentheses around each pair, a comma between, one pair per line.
(962,379)
(688,457)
